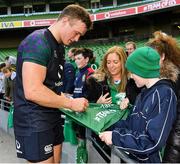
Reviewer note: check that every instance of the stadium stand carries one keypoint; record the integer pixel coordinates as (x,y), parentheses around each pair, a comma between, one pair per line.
(98,49)
(7,52)
(20,17)
(124,4)
(54,14)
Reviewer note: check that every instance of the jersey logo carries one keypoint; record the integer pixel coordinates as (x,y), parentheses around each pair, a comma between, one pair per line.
(18,146)
(48,148)
(59,82)
(55,54)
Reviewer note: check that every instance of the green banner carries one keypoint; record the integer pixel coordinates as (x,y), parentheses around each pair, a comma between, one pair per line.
(98,117)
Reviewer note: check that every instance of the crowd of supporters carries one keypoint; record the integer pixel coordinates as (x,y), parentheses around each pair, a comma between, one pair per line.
(112,78)
(7,77)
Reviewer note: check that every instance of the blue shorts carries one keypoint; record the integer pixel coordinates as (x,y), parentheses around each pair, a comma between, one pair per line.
(39,145)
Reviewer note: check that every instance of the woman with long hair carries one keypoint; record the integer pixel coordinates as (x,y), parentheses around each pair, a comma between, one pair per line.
(169,51)
(110,78)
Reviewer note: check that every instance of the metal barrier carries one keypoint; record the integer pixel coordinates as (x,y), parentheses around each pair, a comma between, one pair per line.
(117,155)
(121,155)
(4,114)
(4,104)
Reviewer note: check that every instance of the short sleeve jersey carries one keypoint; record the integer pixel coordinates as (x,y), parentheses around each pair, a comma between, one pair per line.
(41,48)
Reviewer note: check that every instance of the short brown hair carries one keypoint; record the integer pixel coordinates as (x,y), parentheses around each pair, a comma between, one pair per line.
(86,52)
(6,69)
(131,42)
(77,12)
(73,50)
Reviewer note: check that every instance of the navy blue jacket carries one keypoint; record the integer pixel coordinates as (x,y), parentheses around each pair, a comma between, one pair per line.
(68,79)
(146,129)
(82,75)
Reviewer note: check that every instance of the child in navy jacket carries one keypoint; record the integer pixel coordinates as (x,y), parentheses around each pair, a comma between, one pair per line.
(146,130)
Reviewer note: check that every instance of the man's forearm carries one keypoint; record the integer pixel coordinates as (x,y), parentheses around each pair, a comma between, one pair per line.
(46,97)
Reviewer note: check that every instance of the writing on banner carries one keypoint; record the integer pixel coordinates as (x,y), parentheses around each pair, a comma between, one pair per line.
(12,24)
(103,114)
(157,5)
(42,22)
(113,14)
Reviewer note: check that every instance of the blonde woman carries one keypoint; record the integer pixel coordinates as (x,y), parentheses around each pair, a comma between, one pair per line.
(109,79)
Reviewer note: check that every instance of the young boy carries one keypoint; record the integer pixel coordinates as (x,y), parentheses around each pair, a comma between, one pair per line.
(145,131)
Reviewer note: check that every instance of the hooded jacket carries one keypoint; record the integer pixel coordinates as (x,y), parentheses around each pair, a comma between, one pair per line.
(172,149)
(80,80)
(146,129)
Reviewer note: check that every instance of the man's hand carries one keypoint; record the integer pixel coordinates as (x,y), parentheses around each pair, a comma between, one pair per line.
(79,104)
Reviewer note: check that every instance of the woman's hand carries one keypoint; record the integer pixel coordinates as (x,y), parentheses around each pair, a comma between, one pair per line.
(104,99)
(124,103)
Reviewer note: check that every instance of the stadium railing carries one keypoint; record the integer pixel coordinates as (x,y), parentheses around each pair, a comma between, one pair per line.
(4,116)
(116,156)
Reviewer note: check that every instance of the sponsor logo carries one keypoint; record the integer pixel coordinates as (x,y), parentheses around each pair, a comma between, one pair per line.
(60,83)
(55,54)
(48,149)
(18,146)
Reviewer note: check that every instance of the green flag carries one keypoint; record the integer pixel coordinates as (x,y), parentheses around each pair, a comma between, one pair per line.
(98,117)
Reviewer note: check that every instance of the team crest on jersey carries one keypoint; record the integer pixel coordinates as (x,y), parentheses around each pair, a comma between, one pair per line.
(48,149)
(83,78)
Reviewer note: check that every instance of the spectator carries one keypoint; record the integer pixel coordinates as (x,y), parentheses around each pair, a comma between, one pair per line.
(131,89)
(2,81)
(144,133)
(109,79)
(169,51)
(130,47)
(70,55)
(40,62)
(107,82)
(93,64)
(68,80)
(11,61)
(9,82)
(83,58)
